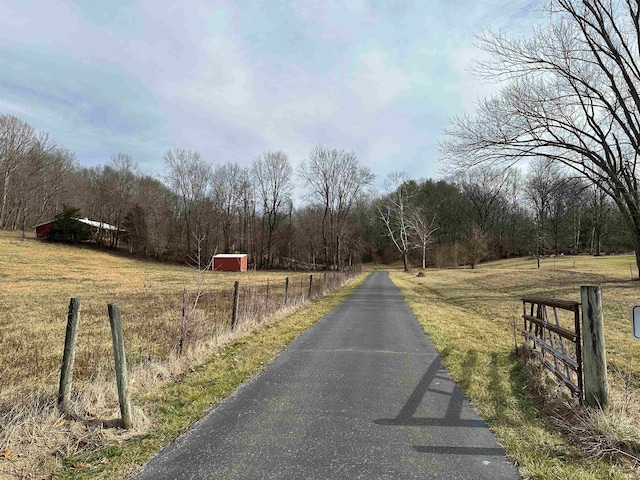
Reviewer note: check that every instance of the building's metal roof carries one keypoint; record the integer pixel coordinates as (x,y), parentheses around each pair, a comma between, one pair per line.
(101,225)
(86,221)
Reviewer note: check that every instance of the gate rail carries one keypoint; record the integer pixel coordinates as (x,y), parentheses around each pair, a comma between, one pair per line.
(557,347)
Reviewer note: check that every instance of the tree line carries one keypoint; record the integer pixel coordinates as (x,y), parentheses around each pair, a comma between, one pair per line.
(194,208)
(488,213)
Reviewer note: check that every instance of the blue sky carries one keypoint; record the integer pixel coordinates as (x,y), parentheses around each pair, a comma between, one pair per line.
(233,79)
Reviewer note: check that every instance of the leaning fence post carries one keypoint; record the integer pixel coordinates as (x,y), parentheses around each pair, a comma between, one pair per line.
(69,354)
(594,358)
(234,312)
(121,364)
(286,290)
(310,285)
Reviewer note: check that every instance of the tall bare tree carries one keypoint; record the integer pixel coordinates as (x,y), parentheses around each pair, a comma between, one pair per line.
(571,94)
(598,208)
(246,212)
(272,172)
(16,142)
(335,180)
(422,229)
(227,190)
(396,212)
(543,181)
(123,173)
(188,175)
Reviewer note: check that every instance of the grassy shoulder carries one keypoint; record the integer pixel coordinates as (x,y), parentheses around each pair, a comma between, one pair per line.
(177,404)
(469,316)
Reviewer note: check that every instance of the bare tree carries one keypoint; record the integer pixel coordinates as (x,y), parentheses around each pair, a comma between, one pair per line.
(485,187)
(123,185)
(188,175)
(599,207)
(335,180)
(395,213)
(161,213)
(16,142)
(29,181)
(422,229)
(474,247)
(309,233)
(542,183)
(246,212)
(272,173)
(226,190)
(571,94)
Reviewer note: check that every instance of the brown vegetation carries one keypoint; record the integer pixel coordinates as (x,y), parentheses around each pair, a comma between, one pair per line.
(470,315)
(174,317)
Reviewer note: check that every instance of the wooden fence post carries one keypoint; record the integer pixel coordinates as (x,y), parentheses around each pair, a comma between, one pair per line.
(69,354)
(310,285)
(594,358)
(236,298)
(286,290)
(121,364)
(266,305)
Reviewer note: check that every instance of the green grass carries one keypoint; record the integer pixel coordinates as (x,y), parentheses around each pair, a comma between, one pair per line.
(469,315)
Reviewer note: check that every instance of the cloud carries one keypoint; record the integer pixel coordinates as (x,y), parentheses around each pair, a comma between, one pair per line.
(376,81)
(467,86)
(221,80)
(386,151)
(232,78)
(17,109)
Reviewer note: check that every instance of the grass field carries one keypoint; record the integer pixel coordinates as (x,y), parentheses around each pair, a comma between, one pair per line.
(469,314)
(38,279)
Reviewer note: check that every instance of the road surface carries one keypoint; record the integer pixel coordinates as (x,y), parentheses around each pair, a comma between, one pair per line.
(360,395)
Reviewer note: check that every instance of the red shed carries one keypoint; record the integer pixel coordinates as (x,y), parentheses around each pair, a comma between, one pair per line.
(230,262)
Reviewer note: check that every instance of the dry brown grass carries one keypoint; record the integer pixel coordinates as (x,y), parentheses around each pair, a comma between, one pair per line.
(36,281)
(612,433)
(470,315)
(495,289)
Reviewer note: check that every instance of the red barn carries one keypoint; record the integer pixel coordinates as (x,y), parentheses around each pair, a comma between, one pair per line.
(99,231)
(230,262)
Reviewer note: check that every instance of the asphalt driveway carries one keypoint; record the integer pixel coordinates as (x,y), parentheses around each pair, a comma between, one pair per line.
(360,395)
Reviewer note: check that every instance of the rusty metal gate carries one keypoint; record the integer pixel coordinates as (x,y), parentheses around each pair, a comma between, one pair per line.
(556,341)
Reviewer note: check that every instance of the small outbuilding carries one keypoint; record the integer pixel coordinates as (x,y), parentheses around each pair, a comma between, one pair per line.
(230,262)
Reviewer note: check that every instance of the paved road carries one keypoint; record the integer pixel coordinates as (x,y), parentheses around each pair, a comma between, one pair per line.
(360,395)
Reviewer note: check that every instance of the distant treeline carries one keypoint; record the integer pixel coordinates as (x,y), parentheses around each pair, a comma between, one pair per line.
(196,207)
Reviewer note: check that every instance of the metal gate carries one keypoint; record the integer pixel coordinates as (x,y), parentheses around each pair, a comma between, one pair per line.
(555,341)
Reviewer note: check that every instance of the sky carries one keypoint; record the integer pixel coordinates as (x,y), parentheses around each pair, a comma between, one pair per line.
(233,79)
